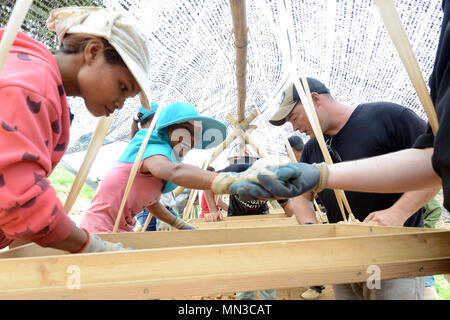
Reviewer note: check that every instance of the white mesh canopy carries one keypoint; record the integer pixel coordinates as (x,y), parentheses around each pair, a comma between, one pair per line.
(343,43)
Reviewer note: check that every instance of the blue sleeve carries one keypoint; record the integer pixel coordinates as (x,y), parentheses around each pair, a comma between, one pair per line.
(155,146)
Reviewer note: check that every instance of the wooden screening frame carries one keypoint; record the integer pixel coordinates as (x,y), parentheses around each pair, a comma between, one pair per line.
(225,260)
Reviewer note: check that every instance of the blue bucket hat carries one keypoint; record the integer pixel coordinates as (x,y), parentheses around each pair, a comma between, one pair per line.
(146,113)
(213,132)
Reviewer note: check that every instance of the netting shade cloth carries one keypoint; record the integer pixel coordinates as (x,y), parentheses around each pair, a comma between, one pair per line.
(342,43)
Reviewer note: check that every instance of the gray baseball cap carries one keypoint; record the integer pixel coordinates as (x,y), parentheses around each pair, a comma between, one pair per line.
(290,97)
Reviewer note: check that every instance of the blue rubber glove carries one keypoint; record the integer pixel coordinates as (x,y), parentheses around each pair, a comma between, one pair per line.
(288,181)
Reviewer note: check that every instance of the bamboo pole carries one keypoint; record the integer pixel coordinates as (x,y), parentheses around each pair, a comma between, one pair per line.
(304,93)
(238,13)
(340,194)
(103,125)
(398,36)
(135,166)
(286,24)
(12,28)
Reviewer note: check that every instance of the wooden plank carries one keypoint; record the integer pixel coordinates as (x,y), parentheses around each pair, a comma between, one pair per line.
(360,229)
(249,217)
(152,240)
(146,274)
(251,223)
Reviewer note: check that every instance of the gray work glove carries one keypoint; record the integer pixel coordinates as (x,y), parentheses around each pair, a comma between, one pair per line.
(282,182)
(97,244)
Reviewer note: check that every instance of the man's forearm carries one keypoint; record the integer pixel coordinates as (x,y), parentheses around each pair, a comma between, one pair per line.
(401,171)
(410,202)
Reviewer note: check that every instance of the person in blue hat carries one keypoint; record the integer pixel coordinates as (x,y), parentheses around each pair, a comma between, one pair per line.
(178,128)
(145,193)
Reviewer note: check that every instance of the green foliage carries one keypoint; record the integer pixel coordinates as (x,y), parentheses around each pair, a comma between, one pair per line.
(62,181)
(442,287)
(35,21)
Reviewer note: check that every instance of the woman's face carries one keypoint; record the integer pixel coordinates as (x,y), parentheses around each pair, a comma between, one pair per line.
(181,137)
(104,86)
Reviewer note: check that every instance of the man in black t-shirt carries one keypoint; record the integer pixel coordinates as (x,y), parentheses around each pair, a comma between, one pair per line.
(352,133)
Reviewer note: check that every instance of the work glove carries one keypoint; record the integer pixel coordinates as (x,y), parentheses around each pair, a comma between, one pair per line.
(97,244)
(188,227)
(282,182)
(162,226)
(222,181)
(180,224)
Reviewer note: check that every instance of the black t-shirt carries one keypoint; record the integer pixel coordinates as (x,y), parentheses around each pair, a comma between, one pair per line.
(440,95)
(236,207)
(373,129)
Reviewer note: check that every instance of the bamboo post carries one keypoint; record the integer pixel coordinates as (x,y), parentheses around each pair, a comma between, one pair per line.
(340,194)
(135,167)
(12,28)
(398,36)
(304,93)
(238,12)
(95,144)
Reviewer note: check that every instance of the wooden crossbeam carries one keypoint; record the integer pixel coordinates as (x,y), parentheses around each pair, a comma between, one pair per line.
(153,240)
(231,267)
(250,223)
(246,217)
